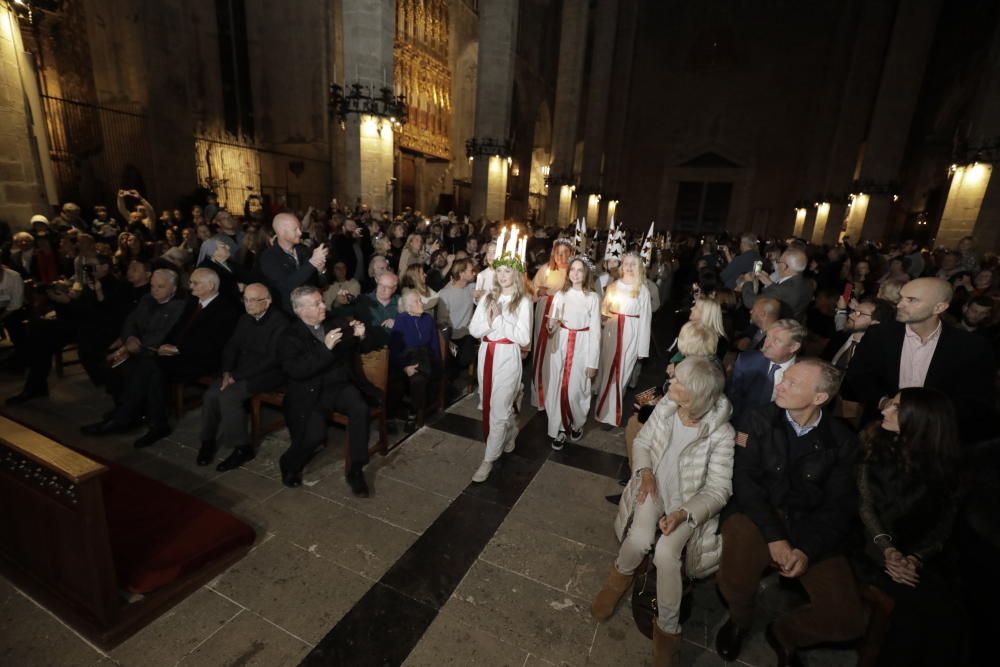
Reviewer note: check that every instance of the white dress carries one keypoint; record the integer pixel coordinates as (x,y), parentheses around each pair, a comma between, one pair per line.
(624,339)
(575,347)
(501,387)
(552,280)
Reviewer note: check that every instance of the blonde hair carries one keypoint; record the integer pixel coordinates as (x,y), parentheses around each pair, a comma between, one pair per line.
(711,315)
(640,274)
(517,285)
(408,293)
(411,279)
(697,340)
(704,380)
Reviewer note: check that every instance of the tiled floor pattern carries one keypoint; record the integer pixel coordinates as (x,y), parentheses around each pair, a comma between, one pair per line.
(429,571)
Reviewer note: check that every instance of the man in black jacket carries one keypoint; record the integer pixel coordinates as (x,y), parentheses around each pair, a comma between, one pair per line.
(288,264)
(249,365)
(145,330)
(793,503)
(919,350)
(320,357)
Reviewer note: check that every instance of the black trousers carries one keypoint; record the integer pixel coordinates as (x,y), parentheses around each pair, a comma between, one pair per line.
(224,414)
(143,391)
(46,337)
(308,437)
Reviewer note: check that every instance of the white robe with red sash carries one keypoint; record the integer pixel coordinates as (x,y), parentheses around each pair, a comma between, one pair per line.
(573,348)
(624,340)
(552,280)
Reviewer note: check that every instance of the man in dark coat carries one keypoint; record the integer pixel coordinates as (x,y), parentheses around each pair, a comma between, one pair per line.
(320,357)
(920,350)
(288,264)
(145,330)
(794,500)
(249,366)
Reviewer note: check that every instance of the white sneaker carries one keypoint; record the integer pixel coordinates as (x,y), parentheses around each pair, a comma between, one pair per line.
(557,444)
(484,471)
(509,447)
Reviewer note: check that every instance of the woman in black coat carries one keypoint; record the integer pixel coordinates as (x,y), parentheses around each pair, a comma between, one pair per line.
(908,483)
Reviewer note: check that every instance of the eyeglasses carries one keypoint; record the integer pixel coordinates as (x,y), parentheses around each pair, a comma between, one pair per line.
(860,313)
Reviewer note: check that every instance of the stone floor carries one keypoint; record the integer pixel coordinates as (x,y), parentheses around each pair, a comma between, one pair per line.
(428,571)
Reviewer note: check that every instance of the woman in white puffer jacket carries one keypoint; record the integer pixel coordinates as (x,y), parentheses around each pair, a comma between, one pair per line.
(682,463)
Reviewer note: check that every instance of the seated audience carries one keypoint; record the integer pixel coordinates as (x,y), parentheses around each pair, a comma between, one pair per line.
(794,501)
(919,350)
(765,312)
(908,481)
(320,358)
(414,353)
(249,366)
(454,311)
(683,466)
(343,290)
(379,309)
(758,373)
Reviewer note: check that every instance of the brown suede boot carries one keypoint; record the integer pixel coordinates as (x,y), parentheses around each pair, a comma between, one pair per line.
(614,588)
(665,647)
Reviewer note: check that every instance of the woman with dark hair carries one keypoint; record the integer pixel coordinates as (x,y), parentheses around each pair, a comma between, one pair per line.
(908,482)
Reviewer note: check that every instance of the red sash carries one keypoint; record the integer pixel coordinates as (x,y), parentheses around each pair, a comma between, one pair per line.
(543,339)
(616,370)
(488,381)
(567,414)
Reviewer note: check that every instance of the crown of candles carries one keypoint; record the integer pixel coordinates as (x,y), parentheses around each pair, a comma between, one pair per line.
(511,249)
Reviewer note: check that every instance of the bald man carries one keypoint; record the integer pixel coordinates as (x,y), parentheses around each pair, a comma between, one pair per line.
(765,312)
(250,365)
(920,350)
(791,288)
(288,264)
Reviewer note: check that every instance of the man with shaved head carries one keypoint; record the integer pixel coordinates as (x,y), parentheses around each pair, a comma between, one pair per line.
(288,264)
(765,312)
(920,350)
(249,365)
(791,288)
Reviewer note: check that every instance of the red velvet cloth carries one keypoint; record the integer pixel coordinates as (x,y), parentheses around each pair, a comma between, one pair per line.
(159,534)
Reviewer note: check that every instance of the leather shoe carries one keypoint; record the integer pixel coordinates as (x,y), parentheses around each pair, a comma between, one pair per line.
(151,437)
(25,396)
(206,454)
(103,427)
(356,478)
(292,480)
(729,641)
(787,657)
(236,458)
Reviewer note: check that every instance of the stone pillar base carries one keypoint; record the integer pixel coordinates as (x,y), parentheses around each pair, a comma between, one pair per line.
(965,200)
(369,161)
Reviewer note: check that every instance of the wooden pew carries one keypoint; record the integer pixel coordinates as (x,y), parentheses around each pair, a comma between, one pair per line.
(64,542)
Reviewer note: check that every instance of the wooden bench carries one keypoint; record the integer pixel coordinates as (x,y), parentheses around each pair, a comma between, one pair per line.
(376,368)
(179,401)
(61,363)
(106,549)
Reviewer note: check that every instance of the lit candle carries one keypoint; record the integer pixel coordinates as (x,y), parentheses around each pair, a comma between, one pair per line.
(522,251)
(500,239)
(512,243)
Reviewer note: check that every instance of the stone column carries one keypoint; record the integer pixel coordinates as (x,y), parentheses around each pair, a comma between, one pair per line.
(368,33)
(572,43)
(973,204)
(799,222)
(616,122)
(21,189)
(889,128)
(598,99)
(820,221)
(494,93)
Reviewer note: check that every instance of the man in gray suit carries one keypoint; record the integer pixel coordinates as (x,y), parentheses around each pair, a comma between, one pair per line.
(791,288)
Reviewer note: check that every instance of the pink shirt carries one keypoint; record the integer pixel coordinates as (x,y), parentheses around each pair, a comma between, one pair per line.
(916,357)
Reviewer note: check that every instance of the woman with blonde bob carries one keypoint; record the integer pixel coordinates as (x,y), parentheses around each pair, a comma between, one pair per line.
(682,478)
(502,320)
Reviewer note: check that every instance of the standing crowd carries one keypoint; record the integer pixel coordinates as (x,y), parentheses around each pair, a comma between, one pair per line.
(828,414)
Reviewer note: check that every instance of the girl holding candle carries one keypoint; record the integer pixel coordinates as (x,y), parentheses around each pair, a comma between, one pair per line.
(574,349)
(547,282)
(625,337)
(503,321)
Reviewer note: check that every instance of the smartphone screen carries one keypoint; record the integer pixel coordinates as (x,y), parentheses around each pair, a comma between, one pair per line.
(848,292)
(757,266)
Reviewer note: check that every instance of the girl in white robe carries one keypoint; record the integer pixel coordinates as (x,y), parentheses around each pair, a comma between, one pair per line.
(484,279)
(574,327)
(547,282)
(624,339)
(503,321)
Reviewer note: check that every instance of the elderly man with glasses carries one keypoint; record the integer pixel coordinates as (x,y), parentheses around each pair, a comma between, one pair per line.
(249,365)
